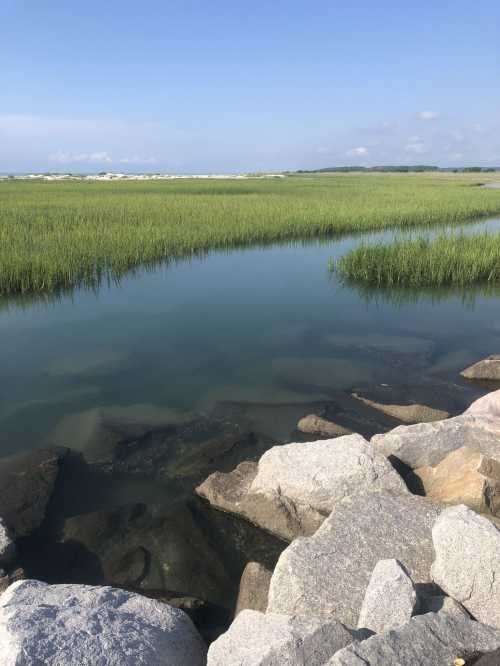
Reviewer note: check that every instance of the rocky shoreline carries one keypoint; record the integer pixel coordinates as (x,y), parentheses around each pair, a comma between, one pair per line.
(390,542)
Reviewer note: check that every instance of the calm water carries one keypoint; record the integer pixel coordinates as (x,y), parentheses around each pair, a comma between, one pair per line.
(254,336)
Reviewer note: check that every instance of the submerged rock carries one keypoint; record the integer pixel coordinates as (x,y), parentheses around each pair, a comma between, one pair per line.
(391,349)
(465,476)
(27,482)
(254,588)
(328,573)
(316,425)
(428,443)
(467,564)
(488,368)
(427,640)
(407,413)
(7,546)
(255,639)
(294,487)
(77,624)
(390,598)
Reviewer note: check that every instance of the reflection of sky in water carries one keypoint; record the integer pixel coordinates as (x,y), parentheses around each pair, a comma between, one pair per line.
(195,332)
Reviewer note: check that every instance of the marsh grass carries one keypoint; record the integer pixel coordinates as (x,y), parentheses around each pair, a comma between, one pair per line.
(447,260)
(55,236)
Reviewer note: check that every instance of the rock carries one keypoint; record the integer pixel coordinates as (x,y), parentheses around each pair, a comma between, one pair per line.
(406,413)
(440,603)
(77,624)
(490,659)
(465,476)
(294,487)
(323,373)
(27,482)
(7,546)
(7,579)
(386,348)
(488,406)
(428,443)
(467,564)
(390,598)
(488,368)
(329,572)
(254,588)
(255,639)
(426,640)
(316,425)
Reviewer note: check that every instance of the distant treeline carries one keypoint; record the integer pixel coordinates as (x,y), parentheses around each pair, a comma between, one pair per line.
(401,169)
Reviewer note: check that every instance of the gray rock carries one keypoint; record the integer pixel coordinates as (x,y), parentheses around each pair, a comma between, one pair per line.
(77,625)
(255,639)
(428,443)
(27,482)
(440,603)
(467,564)
(390,598)
(492,658)
(427,640)
(487,406)
(294,487)
(329,572)
(316,425)
(254,588)
(7,546)
(488,368)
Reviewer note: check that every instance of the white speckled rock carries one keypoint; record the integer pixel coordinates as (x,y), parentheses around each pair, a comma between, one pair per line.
(328,573)
(80,625)
(390,598)
(428,443)
(255,639)
(467,564)
(7,547)
(435,639)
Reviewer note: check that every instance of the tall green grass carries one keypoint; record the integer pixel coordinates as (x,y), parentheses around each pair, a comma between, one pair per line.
(457,261)
(58,235)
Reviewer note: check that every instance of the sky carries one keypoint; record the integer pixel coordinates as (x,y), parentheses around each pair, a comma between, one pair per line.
(224,86)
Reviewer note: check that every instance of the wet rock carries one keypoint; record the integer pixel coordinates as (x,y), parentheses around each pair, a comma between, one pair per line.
(465,476)
(255,639)
(145,548)
(390,598)
(316,425)
(75,624)
(427,640)
(428,443)
(27,482)
(329,572)
(488,368)
(387,348)
(407,413)
(467,564)
(254,588)
(294,487)
(7,546)
(440,603)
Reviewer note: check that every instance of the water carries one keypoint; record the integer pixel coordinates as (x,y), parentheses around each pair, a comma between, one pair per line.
(246,334)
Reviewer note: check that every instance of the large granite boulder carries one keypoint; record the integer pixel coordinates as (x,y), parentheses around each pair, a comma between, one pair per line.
(467,564)
(254,588)
(488,406)
(328,573)
(465,476)
(255,639)
(488,368)
(27,482)
(428,443)
(294,487)
(428,640)
(390,598)
(76,625)
(7,546)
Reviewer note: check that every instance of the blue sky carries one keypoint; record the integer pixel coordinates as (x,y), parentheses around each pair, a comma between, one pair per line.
(237,86)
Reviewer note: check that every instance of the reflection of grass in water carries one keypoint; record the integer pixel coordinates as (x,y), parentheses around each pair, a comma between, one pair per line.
(450,260)
(58,235)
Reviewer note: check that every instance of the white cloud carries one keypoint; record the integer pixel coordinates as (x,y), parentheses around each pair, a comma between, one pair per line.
(361,151)
(427,115)
(100,157)
(137,159)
